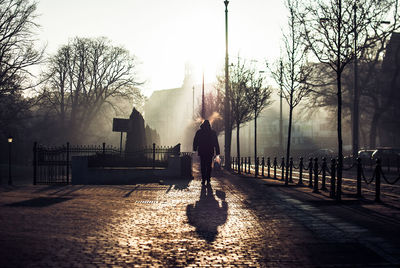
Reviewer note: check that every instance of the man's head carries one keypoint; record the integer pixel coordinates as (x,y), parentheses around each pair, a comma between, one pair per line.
(206,125)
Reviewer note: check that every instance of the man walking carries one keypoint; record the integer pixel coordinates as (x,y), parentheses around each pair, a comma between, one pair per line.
(204,142)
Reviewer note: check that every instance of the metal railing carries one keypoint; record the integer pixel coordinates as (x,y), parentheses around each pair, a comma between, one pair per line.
(52,165)
(318,172)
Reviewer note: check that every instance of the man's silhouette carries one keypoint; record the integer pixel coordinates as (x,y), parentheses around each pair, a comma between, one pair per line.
(205,141)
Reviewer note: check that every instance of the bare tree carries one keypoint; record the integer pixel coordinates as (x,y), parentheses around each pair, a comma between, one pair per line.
(85,76)
(293,71)
(240,110)
(258,97)
(329,33)
(239,79)
(17,44)
(17,54)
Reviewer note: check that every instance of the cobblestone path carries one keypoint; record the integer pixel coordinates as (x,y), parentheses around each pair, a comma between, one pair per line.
(235,222)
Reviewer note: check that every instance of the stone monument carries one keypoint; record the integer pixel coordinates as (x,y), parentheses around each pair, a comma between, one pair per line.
(136,136)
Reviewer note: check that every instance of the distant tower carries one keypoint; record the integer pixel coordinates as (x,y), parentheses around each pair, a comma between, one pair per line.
(189,72)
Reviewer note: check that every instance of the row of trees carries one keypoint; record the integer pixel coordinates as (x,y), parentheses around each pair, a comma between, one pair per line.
(84,84)
(324,45)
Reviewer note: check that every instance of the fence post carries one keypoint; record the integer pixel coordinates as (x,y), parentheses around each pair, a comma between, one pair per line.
(378,181)
(283,168)
(154,155)
(275,163)
(310,171)
(262,166)
(241,164)
(333,178)
(315,190)
(300,172)
(245,165)
(324,167)
(67,162)
(291,170)
(269,167)
(34,162)
(359,170)
(104,148)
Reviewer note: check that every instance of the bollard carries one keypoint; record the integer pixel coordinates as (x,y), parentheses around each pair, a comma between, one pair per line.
(269,167)
(249,163)
(300,172)
(256,167)
(283,169)
(378,181)
(249,168)
(262,166)
(245,165)
(324,167)
(315,190)
(275,163)
(310,171)
(333,179)
(359,171)
(291,170)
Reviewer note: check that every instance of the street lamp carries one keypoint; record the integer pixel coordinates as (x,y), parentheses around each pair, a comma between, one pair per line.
(10,140)
(227,109)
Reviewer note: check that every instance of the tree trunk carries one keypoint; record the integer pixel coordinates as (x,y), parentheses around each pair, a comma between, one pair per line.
(374,129)
(255,146)
(238,145)
(340,140)
(228,141)
(289,140)
(339,112)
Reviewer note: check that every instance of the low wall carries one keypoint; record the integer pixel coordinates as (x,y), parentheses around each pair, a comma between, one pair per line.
(178,167)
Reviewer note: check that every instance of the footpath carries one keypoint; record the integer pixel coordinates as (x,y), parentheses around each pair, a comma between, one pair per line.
(238,221)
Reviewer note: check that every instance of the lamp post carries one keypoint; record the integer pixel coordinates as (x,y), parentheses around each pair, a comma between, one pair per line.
(227,97)
(203,107)
(193,103)
(10,140)
(355,93)
(280,108)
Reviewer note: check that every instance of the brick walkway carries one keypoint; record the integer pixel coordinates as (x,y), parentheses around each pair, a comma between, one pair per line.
(238,222)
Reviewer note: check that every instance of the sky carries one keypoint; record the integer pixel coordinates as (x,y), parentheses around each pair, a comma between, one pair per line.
(163,35)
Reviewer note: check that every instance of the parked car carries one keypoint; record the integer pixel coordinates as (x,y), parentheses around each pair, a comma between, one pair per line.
(327,153)
(366,156)
(389,156)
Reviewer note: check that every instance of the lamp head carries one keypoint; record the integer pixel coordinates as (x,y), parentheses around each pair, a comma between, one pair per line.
(10,139)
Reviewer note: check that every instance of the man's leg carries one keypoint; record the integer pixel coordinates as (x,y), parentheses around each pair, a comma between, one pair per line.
(208,166)
(203,168)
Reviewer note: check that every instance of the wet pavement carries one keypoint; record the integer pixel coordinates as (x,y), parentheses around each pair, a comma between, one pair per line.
(238,221)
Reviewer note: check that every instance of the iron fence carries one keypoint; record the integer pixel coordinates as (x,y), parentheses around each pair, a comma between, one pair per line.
(324,172)
(52,165)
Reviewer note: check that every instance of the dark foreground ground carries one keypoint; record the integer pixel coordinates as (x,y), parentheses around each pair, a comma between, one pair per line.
(239,221)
